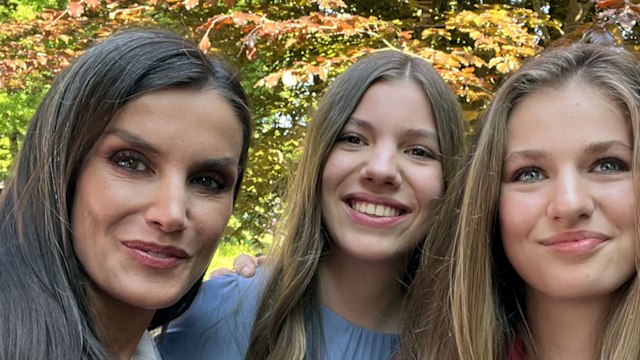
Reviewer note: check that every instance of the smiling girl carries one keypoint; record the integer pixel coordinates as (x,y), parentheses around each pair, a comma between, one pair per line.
(382,147)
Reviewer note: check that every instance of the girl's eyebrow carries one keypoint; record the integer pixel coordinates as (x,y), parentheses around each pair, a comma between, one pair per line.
(531,154)
(359,123)
(603,146)
(411,132)
(422,133)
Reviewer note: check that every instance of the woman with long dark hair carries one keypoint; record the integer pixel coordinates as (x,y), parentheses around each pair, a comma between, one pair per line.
(126,179)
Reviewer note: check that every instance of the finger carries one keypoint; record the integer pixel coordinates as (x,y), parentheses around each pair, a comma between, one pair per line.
(243,260)
(219,272)
(260,259)
(245,265)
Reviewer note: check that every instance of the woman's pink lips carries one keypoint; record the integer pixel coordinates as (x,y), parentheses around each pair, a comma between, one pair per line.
(575,242)
(155,255)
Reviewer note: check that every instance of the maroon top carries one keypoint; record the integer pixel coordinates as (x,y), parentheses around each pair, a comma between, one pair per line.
(516,350)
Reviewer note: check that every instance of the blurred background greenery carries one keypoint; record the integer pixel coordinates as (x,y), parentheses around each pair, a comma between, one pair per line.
(287,51)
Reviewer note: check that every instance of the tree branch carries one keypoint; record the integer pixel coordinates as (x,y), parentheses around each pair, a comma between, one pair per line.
(538,9)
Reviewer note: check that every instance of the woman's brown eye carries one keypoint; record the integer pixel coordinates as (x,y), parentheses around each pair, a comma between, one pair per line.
(215,183)
(129,161)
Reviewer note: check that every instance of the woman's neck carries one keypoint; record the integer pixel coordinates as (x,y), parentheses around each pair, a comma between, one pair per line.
(367,294)
(120,326)
(566,329)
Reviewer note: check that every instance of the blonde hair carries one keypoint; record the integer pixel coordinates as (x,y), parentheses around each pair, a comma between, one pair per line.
(288,311)
(485,294)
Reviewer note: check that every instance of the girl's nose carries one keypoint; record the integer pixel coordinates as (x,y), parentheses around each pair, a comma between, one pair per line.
(571,199)
(382,167)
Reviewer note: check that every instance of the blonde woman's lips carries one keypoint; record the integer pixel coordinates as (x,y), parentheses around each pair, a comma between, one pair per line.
(575,242)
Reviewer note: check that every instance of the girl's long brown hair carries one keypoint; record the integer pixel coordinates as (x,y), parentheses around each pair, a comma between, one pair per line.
(287,325)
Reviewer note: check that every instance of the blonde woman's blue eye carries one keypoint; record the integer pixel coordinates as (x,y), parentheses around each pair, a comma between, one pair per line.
(528,175)
(610,165)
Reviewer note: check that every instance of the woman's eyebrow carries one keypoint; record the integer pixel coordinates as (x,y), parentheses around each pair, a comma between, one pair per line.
(132,139)
(218,163)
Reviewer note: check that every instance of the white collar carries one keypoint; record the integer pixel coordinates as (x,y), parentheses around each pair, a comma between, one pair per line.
(146,349)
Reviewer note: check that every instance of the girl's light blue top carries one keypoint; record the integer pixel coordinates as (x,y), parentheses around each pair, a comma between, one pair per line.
(218,326)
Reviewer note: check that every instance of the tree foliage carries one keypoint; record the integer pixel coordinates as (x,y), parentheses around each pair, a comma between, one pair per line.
(288,50)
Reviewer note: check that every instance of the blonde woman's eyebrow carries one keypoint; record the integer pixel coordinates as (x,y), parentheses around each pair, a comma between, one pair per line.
(604,146)
(528,154)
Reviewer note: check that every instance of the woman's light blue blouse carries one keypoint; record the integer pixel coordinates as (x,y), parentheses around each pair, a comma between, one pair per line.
(218,326)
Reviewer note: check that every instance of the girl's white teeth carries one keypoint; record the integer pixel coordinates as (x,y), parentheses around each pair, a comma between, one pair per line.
(374,209)
(158,255)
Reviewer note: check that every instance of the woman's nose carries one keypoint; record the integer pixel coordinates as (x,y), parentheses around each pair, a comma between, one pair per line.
(168,206)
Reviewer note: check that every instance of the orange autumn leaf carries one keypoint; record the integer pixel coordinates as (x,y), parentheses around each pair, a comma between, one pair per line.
(41,58)
(229,3)
(602,4)
(92,4)
(205,44)
(241,18)
(289,79)
(75,8)
(331,4)
(190,4)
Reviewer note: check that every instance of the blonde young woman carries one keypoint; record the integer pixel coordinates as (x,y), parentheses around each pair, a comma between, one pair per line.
(381,149)
(545,248)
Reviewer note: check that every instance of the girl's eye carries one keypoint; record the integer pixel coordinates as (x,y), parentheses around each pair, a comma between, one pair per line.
(421,152)
(129,161)
(351,138)
(610,165)
(528,175)
(214,183)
